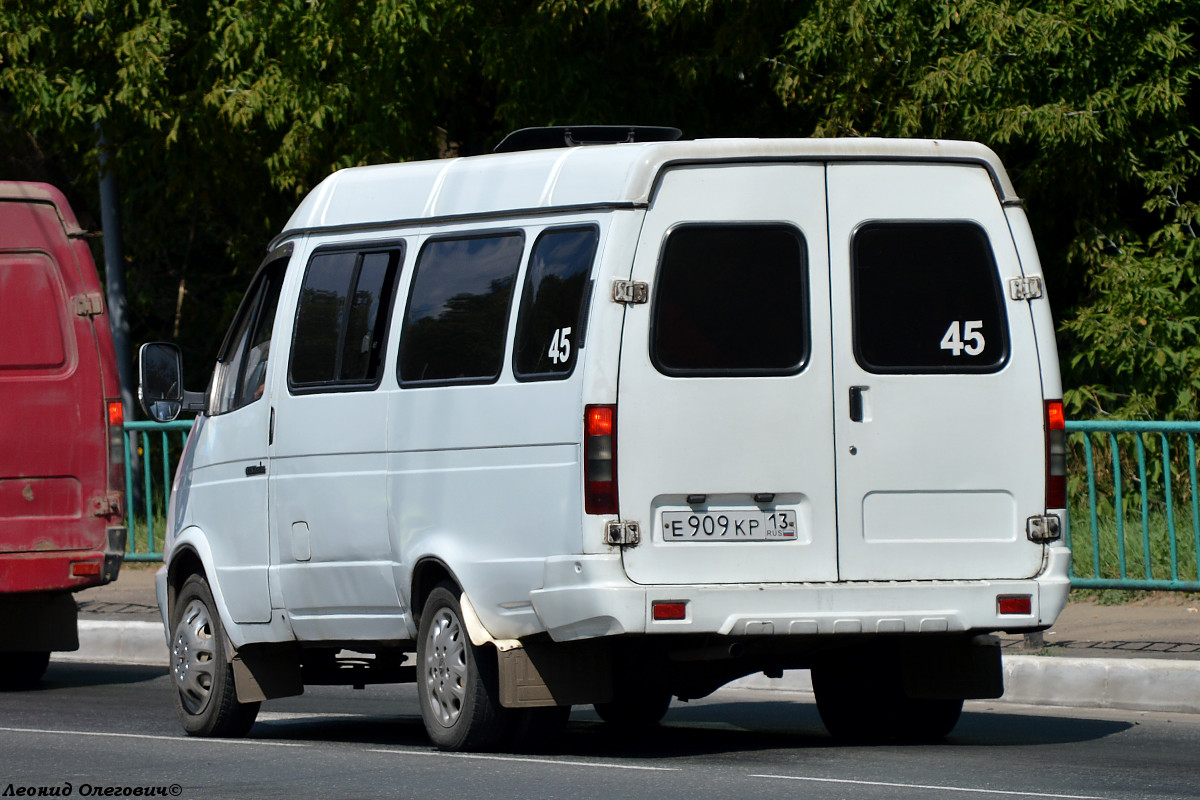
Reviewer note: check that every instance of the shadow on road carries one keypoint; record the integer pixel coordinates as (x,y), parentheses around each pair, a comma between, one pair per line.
(709,729)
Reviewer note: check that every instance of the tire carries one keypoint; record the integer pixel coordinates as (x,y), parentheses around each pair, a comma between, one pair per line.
(862,705)
(205,695)
(537,730)
(22,669)
(635,705)
(457,683)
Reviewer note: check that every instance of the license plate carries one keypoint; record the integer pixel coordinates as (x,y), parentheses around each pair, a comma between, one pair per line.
(728,526)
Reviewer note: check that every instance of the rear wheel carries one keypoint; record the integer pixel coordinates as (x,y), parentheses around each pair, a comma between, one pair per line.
(457,683)
(864,704)
(23,669)
(205,695)
(635,705)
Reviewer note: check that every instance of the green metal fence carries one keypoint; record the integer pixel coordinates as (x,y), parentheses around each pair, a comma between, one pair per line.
(153,448)
(1135,500)
(1137,492)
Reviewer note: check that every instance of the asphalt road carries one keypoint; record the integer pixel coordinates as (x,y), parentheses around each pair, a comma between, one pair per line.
(110,729)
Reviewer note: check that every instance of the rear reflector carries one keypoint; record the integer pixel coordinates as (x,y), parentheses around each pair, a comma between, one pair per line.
(1056,455)
(600,459)
(116,413)
(1015,604)
(668,610)
(82,569)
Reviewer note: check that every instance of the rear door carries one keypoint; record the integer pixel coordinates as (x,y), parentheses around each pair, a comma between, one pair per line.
(53,435)
(938,401)
(725,448)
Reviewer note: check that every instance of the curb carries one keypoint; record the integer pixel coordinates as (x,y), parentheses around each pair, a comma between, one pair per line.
(119,642)
(1123,683)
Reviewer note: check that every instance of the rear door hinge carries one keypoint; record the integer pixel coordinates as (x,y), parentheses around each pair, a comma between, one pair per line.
(1030,288)
(107,504)
(88,305)
(630,292)
(1042,529)
(625,534)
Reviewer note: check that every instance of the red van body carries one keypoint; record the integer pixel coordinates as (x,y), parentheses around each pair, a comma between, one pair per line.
(62,458)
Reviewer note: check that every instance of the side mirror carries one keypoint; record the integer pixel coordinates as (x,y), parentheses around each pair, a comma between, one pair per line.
(160,380)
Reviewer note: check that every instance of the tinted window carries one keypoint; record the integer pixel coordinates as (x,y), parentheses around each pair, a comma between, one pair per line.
(242,368)
(551,319)
(457,315)
(927,299)
(340,332)
(731,299)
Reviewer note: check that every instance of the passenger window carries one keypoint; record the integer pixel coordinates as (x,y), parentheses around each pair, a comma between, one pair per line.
(553,309)
(927,298)
(242,368)
(731,300)
(340,332)
(457,315)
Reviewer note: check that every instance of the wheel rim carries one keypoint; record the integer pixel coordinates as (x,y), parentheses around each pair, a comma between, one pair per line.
(193,657)
(445,667)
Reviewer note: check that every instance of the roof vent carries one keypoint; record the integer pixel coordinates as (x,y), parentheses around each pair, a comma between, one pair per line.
(576,135)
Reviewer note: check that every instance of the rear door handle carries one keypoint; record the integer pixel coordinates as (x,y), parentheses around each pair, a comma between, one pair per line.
(257,469)
(856,403)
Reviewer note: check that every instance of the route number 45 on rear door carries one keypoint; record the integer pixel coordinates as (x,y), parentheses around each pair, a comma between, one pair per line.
(964,337)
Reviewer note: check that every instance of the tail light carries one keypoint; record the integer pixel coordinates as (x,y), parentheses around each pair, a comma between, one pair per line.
(1056,455)
(116,446)
(600,459)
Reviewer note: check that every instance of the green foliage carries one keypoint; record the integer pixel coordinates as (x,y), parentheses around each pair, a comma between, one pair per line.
(223,113)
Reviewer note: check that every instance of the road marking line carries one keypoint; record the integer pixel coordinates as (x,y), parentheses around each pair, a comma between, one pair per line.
(150,736)
(556,761)
(933,786)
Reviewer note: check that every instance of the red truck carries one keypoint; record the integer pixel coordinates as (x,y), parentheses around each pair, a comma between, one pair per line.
(62,454)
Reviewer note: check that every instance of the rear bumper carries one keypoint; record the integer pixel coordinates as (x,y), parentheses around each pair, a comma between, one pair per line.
(56,570)
(588,596)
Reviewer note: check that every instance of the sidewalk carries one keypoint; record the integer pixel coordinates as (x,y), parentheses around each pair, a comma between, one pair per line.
(1142,655)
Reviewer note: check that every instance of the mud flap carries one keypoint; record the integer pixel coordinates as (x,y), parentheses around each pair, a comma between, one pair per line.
(953,668)
(265,672)
(555,674)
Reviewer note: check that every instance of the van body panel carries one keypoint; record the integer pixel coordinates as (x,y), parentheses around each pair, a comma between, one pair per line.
(232,505)
(937,479)
(611,176)
(681,436)
(60,486)
(1043,320)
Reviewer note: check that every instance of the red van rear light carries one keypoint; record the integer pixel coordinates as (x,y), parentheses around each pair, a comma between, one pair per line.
(116,445)
(1056,455)
(600,459)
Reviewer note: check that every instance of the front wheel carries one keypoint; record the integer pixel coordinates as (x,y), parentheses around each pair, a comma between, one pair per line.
(457,682)
(205,695)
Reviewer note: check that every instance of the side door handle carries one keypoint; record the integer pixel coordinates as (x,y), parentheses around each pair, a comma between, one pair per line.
(856,403)
(257,469)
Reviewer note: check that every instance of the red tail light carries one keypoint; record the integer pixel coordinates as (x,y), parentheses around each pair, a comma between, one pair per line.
(116,445)
(600,459)
(1056,455)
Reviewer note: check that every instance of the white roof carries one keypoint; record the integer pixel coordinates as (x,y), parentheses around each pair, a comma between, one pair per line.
(614,175)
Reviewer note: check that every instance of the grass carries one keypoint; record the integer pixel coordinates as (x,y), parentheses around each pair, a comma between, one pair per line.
(1136,555)
(137,534)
